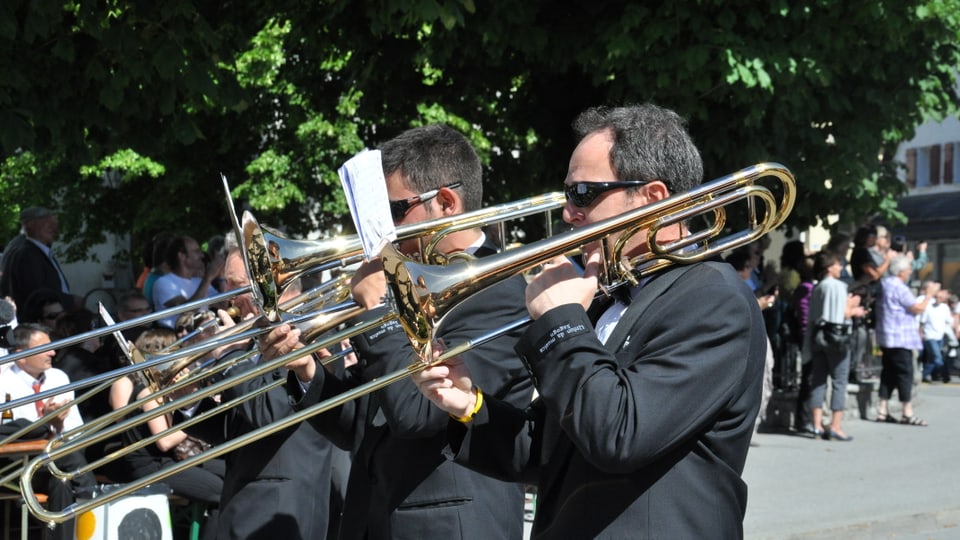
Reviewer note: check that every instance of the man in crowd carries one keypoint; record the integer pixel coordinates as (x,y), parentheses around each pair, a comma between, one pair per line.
(645,415)
(935,321)
(401,485)
(184,282)
(29,263)
(34,374)
(278,486)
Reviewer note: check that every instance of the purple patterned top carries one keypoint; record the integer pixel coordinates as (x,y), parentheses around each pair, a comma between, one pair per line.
(896,326)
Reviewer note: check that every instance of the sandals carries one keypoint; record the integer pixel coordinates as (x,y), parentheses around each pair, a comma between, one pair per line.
(913,421)
(887,418)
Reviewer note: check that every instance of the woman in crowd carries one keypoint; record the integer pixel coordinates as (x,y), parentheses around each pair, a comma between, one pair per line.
(828,342)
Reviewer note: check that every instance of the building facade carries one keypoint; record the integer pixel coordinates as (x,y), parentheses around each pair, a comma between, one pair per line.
(932,204)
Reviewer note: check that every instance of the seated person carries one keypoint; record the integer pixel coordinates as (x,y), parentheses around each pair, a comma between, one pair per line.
(202,483)
(28,376)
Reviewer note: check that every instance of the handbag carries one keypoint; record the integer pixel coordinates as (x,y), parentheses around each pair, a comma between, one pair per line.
(189,447)
(832,336)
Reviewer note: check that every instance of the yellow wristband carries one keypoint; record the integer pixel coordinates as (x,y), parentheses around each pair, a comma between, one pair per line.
(476,408)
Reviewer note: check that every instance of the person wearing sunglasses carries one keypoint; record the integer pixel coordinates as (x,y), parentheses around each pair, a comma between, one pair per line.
(400,484)
(647,404)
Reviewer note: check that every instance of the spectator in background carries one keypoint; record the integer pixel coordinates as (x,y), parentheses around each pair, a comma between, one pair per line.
(160,242)
(132,305)
(952,338)
(743,261)
(29,263)
(43,306)
(899,337)
(81,361)
(8,321)
(840,244)
(28,376)
(146,255)
(189,278)
(203,482)
(867,263)
(827,343)
(215,248)
(800,304)
(935,321)
(784,337)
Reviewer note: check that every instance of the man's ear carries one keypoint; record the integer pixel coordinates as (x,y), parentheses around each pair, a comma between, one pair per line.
(655,191)
(449,201)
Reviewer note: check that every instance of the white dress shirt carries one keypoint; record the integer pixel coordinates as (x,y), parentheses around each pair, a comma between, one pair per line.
(19,384)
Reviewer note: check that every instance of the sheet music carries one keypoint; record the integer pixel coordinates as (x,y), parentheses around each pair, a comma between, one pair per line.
(366,191)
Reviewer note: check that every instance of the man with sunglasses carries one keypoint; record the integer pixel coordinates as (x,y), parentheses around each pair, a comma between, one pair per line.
(401,485)
(645,412)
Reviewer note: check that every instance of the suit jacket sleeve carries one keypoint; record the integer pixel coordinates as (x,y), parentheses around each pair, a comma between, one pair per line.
(495,367)
(339,424)
(502,441)
(670,383)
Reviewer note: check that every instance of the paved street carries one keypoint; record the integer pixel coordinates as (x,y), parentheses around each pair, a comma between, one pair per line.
(891,481)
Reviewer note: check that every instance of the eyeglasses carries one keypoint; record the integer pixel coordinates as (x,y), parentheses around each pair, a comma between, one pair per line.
(582,194)
(400,208)
(52,316)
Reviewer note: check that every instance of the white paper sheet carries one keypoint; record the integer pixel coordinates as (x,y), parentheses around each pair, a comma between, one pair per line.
(366,191)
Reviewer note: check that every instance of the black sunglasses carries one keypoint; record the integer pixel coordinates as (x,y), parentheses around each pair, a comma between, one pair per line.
(400,208)
(582,194)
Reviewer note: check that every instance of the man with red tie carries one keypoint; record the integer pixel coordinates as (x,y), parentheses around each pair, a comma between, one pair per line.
(33,374)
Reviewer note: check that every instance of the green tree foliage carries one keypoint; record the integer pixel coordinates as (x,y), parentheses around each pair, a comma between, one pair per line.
(123,114)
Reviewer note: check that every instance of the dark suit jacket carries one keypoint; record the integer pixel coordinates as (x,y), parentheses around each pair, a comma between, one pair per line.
(26,269)
(401,485)
(277,487)
(647,441)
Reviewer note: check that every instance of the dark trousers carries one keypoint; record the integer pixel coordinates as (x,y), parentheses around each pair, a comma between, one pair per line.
(803,417)
(897,374)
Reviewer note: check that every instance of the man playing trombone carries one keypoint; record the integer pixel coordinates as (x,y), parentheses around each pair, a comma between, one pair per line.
(401,485)
(276,487)
(645,412)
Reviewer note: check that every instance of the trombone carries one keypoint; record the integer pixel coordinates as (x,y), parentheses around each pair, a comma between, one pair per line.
(425,294)
(274,262)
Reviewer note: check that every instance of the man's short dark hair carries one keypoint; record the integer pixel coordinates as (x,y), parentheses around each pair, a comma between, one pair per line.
(649,143)
(177,245)
(429,157)
(20,336)
(822,261)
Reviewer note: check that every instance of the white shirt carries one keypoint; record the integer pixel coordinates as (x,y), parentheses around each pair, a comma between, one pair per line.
(612,315)
(935,320)
(19,384)
(170,286)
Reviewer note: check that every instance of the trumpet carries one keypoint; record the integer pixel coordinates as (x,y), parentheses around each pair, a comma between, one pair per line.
(424,294)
